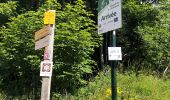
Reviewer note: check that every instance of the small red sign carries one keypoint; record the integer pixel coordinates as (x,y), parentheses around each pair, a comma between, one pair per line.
(46,56)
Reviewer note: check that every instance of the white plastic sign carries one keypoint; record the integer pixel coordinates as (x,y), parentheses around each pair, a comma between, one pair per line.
(109,15)
(114,53)
(46,68)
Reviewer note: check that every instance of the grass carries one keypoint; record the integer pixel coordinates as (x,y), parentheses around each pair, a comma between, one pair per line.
(130,87)
(144,87)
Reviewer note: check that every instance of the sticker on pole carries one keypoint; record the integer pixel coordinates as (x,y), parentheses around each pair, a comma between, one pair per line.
(46,68)
(46,56)
(115,53)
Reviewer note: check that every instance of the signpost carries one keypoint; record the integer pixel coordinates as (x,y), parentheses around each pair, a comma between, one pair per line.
(110,19)
(45,38)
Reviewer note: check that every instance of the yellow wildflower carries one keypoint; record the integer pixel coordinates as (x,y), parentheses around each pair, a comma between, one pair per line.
(119,91)
(108,92)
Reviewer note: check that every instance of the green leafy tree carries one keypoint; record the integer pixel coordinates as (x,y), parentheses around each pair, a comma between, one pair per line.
(134,16)
(7,10)
(75,40)
(157,38)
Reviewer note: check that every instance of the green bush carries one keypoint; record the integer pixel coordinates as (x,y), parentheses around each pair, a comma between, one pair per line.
(7,10)
(75,40)
(129,87)
(156,39)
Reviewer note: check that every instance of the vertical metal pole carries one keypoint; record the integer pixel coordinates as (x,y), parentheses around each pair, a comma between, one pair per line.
(46,81)
(113,69)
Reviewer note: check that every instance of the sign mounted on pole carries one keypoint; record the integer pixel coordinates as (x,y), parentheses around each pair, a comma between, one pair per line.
(42,43)
(46,68)
(49,17)
(114,53)
(109,15)
(46,65)
(42,32)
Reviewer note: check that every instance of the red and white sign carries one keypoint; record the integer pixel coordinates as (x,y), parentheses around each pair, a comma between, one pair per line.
(46,68)
(46,56)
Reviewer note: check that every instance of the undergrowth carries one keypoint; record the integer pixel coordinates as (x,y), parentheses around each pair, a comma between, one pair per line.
(129,87)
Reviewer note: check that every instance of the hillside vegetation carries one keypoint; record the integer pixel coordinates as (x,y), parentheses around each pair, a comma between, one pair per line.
(80,53)
(130,87)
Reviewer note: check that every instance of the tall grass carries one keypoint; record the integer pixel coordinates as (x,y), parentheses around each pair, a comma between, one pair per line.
(130,87)
(144,87)
(2,95)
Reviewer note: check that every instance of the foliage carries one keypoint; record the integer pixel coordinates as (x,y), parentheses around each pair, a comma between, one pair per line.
(145,38)
(75,40)
(93,91)
(134,15)
(7,10)
(157,38)
(141,24)
(144,87)
(130,87)
(19,61)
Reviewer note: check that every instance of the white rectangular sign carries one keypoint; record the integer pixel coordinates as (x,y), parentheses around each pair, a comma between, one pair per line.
(46,68)
(114,53)
(42,43)
(109,15)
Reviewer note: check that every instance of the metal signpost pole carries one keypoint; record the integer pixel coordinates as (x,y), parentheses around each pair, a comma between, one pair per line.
(113,69)
(109,19)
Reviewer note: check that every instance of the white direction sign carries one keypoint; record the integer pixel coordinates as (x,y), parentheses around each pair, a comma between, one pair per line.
(114,53)
(46,68)
(109,15)
(42,43)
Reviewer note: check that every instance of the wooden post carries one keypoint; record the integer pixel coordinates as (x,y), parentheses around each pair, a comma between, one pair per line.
(46,80)
(48,56)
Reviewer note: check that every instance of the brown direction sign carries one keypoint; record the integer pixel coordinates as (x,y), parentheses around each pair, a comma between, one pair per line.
(42,32)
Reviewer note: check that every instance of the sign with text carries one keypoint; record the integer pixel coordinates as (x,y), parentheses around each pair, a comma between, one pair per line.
(46,68)
(49,17)
(42,43)
(114,53)
(42,32)
(109,15)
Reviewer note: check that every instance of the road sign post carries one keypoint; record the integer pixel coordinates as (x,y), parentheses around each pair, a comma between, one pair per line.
(48,56)
(110,19)
(49,19)
(113,69)
(45,38)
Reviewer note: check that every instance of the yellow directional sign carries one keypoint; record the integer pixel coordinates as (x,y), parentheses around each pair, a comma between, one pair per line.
(49,17)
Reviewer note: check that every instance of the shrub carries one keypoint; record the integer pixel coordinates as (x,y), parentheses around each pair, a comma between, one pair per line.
(75,40)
